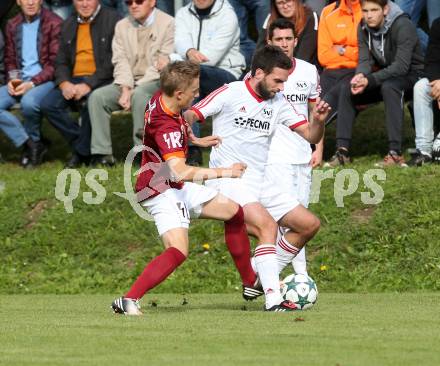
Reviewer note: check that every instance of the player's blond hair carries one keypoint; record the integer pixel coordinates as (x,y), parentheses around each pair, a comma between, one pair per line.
(178,76)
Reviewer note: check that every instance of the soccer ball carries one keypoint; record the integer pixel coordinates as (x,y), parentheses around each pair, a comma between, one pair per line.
(300,289)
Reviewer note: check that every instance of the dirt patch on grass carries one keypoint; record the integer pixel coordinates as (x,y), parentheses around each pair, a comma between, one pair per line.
(363,216)
(35,213)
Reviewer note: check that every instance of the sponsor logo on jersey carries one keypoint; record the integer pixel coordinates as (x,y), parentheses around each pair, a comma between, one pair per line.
(173,139)
(302,85)
(297,98)
(253,124)
(267,112)
(242,110)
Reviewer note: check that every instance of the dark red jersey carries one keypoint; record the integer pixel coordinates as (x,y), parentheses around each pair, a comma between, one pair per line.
(165,137)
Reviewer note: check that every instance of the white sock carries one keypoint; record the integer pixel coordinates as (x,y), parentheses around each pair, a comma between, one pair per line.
(299,262)
(285,253)
(254,266)
(267,267)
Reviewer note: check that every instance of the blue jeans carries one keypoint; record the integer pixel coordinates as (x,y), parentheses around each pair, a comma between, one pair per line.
(424,116)
(31,110)
(414,9)
(57,110)
(259,9)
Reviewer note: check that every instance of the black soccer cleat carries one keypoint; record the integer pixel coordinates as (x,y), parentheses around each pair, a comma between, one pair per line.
(252,292)
(286,305)
(436,153)
(126,306)
(418,158)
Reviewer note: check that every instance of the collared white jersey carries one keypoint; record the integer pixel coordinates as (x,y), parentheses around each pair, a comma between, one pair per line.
(301,87)
(246,124)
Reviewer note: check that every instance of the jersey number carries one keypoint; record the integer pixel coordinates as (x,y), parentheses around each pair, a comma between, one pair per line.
(183,210)
(172,139)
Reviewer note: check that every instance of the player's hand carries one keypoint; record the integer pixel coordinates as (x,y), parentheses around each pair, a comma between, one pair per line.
(81,90)
(316,159)
(321,110)
(208,141)
(237,170)
(67,89)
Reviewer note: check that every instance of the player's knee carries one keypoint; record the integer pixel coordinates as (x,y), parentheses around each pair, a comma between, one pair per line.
(313,227)
(268,229)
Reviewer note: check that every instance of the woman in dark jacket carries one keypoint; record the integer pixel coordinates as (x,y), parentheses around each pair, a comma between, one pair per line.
(306,27)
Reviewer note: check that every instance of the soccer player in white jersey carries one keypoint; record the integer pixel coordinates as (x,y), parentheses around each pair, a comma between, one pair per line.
(291,159)
(245,115)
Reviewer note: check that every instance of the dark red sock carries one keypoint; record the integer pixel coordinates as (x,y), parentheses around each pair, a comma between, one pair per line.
(239,246)
(156,271)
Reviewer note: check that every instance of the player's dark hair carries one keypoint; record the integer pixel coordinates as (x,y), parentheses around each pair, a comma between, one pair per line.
(381,3)
(269,57)
(281,23)
(178,76)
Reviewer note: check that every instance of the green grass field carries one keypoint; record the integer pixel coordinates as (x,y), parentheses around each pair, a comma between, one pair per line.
(342,329)
(377,268)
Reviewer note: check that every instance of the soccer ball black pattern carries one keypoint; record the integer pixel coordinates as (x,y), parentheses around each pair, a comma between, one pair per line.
(300,289)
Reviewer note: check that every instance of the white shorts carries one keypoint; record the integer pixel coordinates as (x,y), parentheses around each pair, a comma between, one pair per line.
(277,202)
(174,207)
(295,179)
(235,189)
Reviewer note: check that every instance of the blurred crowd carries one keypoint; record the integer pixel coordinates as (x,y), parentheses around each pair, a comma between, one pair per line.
(95,57)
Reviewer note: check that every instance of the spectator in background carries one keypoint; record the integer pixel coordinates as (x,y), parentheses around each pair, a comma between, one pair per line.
(426,98)
(338,46)
(32,41)
(390,62)
(207,33)
(255,9)
(414,9)
(141,46)
(306,27)
(62,8)
(119,5)
(83,64)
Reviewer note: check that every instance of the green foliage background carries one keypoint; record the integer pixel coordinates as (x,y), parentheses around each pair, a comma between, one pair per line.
(393,246)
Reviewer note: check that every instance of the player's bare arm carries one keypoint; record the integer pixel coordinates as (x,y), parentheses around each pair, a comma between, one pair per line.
(190,116)
(314,131)
(207,141)
(183,172)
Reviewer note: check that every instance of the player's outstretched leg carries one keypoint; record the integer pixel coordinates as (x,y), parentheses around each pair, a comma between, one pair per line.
(236,238)
(155,272)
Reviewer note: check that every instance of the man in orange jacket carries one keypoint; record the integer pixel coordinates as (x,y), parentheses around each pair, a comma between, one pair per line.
(337,45)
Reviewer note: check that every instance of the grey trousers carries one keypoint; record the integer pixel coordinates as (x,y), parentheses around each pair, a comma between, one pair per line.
(104,101)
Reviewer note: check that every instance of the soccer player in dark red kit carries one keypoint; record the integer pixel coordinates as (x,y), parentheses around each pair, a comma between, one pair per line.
(165,186)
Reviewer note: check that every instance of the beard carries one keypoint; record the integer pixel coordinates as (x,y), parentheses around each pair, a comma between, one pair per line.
(263,91)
